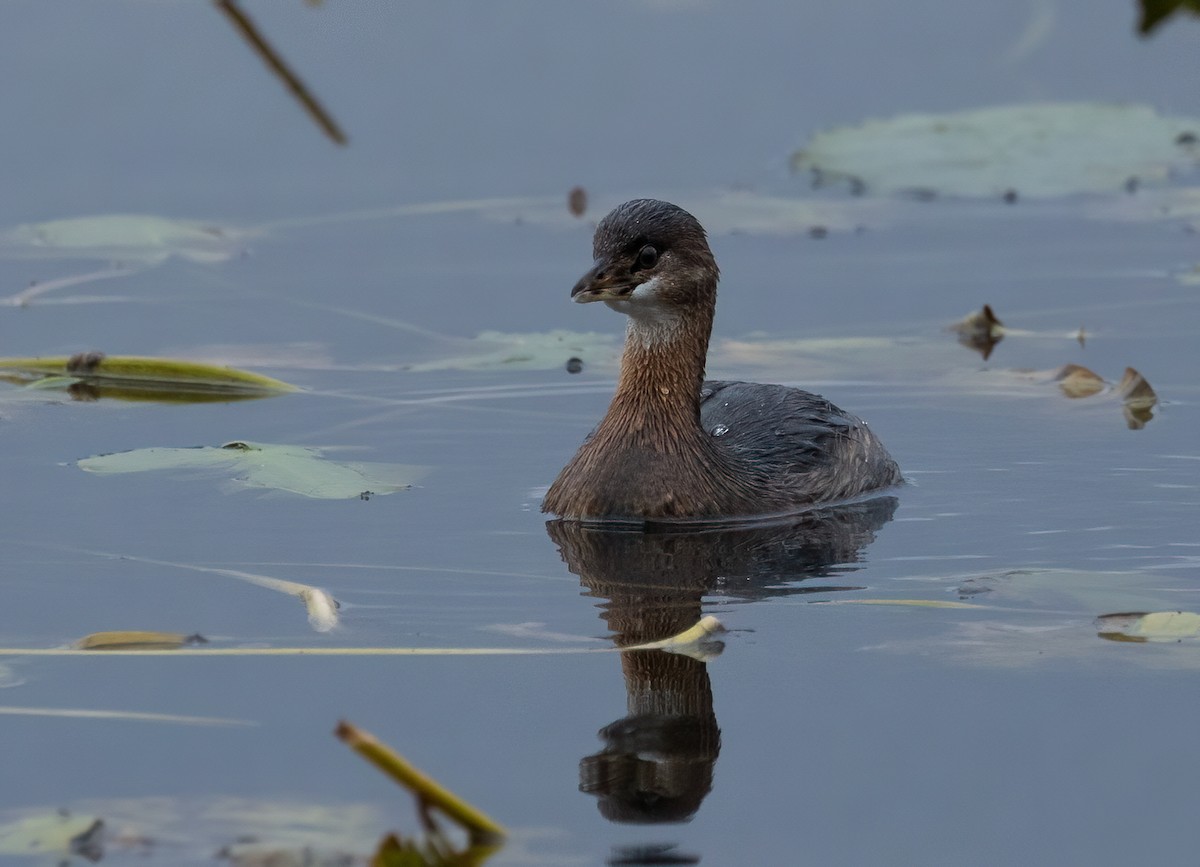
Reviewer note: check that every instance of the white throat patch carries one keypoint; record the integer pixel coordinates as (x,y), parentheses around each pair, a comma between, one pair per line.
(650,324)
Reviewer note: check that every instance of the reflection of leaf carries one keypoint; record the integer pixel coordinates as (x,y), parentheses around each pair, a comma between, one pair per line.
(296,469)
(90,375)
(1154,12)
(1039,150)
(1149,626)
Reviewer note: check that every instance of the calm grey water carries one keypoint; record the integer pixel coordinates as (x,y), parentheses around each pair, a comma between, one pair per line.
(848,734)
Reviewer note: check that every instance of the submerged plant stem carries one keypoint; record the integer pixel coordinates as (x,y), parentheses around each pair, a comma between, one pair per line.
(483,830)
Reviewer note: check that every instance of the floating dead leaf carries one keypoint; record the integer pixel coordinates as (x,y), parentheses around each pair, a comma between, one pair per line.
(1036,150)
(698,642)
(294,469)
(134,640)
(1075,380)
(91,375)
(1139,398)
(1141,626)
(980,331)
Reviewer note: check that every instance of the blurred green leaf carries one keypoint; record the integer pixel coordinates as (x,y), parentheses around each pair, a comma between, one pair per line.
(1154,12)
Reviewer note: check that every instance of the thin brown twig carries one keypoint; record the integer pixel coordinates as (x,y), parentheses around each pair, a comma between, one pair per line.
(258,42)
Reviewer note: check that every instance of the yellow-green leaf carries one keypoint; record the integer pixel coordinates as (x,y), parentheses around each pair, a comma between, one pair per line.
(139,375)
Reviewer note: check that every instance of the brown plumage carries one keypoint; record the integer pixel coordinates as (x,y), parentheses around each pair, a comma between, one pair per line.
(674,446)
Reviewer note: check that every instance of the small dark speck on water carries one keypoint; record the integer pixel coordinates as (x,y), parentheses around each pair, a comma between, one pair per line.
(818,231)
(1185,138)
(577,201)
(1131,184)
(366,495)
(574,365)
(1010,197)
(857,187)
(921,194)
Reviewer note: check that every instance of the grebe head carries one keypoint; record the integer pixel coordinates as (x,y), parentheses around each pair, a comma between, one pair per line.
(652,262)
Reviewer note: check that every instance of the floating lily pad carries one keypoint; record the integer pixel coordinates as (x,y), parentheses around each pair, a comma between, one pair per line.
(166,830)
(541,350)
(726,212)
(295,469)
(1037,150)
(140,238)
(92,375)
(1150,626)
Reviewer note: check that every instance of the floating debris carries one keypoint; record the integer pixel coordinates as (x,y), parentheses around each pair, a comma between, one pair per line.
(1139,398)
(980,331)
(135,640)
(577,201)
(1077,381)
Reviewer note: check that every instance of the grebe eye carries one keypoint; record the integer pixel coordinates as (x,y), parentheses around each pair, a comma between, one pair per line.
(647,257)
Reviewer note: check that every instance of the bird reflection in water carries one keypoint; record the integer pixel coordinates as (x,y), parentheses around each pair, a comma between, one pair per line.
(657,762)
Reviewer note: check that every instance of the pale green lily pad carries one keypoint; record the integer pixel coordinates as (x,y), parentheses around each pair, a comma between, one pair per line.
(191,830)
(295,469)
(131,238)
(541,350)
(1037,150)
(46,833)
(724,212)
(1167,626)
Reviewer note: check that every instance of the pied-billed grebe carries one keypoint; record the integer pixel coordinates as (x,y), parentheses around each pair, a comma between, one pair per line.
(674,446)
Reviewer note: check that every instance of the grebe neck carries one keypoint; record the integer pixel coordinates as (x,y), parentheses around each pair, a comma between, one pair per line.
(662,369)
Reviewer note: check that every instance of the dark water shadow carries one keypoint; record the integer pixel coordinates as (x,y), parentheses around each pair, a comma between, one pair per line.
(657,762)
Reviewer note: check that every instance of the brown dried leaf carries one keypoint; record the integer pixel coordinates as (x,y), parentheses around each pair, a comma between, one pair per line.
(1075,380)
